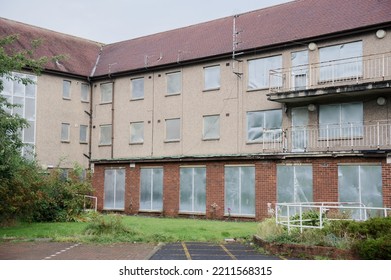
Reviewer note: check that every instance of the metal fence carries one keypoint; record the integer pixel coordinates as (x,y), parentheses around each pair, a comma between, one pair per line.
(315,214)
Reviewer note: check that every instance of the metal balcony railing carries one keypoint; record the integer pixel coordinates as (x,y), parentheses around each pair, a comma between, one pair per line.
(329,138)
(355,70)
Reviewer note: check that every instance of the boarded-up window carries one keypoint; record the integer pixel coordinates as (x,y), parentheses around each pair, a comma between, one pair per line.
(137,88)
(136,132)
(106,93)
(264,125)
(151,189)
(105,134)
(65,132)
(193,189)
(361,184)
(85,92)
(173,130)
(212,77)
(211,127)
(240,190)
(83,133)
(114,189)
(66,89)
(174,83)
(259,72)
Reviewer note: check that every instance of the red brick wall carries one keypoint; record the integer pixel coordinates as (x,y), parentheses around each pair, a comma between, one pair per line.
(325,183)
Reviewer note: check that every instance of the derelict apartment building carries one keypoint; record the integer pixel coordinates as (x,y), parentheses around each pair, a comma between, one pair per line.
(225,118)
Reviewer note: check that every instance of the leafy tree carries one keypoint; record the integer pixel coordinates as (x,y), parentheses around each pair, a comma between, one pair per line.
(13,60)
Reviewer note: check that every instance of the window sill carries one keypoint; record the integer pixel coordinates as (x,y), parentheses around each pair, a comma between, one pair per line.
(239,215)
(85,101)
(172,141)
(83,143)
(264,142)
(257,89)
(192,213)
(211,89)
(136,99)
(65,141)
(136,143)
(211,139)
(105,103)
(150,211)
(113,209)
(104,145)
(65,98)
(172,94)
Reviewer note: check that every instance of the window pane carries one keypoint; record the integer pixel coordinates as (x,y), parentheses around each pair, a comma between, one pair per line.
(211,127)
(105,135)
(31,88)
(138,88)
(341,61)
(145,189)
(137,132)
(106,91)
(29,133)
(212,77)
(19,87)
(255,125)
(186,189)
(173,131)
(174,83)
(200,189)
(64,132)
(232,195)
(109,189)
(259,70)
(247,190)
(66,89)
(157,189)
(119,202)
(7,86)
(85,92)
(83,133)
(30,109)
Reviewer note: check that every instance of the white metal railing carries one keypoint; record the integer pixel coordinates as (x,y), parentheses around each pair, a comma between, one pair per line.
(353,136)
(353,70)
(343,137)
(295,215)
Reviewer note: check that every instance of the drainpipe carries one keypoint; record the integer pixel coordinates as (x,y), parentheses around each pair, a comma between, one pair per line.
(90,124)
(112,119)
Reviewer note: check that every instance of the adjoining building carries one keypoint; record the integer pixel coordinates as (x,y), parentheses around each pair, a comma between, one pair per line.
(225,118)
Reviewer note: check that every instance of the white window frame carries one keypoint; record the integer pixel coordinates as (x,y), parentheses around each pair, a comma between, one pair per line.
(109,129)
(211,131)
(174,77)
(65,128)
(66,89)
(136,133)
(138,88)
(212,77)
(169,123)
(106,97)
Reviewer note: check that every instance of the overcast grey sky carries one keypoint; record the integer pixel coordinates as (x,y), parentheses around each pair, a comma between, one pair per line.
(109,21)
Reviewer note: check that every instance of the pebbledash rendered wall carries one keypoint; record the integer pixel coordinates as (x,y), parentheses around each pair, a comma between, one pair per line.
(324,171)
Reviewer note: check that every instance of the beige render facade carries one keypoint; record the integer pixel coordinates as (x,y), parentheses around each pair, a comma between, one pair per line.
(231,132)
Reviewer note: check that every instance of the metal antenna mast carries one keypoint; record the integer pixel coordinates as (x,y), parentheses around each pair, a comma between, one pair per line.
(235,44)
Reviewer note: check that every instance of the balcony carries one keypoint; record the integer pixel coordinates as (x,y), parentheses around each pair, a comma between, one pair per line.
(368,137)
(356,75)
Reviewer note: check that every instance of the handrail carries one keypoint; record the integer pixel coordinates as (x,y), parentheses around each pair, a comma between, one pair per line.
(321,209)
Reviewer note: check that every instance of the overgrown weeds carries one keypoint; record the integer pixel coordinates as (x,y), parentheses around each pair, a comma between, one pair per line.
(369,239)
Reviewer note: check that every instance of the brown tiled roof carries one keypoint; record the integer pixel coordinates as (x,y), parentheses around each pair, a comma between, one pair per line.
(81,54)
(285,23)
(299,20)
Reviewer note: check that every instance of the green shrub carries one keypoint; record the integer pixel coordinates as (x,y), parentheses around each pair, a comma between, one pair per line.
(374,249)
(268,229)
(107,225)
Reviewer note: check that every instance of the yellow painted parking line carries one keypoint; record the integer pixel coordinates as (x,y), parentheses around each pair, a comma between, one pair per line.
(186,251)
(228,252)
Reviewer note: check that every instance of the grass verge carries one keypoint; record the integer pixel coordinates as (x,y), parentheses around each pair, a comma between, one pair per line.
(114,229)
